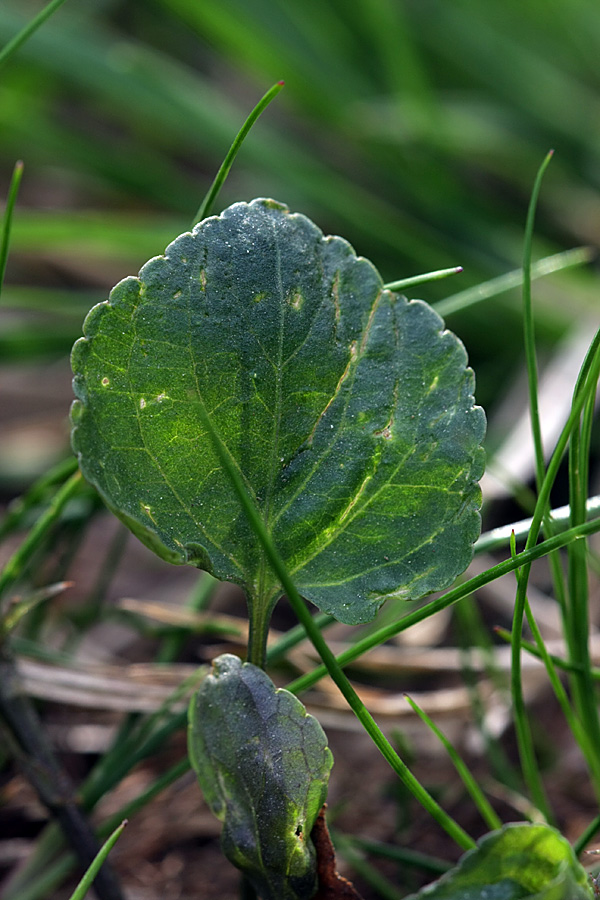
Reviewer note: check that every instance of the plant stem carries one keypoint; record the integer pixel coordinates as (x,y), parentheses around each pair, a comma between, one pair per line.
(259,616)
(575,722)
(577,621)
(544,481)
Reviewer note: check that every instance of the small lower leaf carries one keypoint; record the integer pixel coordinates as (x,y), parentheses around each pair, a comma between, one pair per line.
(519,861)
(263,765)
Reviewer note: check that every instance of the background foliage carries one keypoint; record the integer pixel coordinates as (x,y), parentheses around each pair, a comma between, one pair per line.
(411,127)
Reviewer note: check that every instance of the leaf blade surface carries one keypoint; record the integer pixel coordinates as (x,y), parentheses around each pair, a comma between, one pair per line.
(347,410)
(519,861)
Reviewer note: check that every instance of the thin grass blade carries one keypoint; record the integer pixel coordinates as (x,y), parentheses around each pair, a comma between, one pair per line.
(213,191)
(88,879)
(481,802)
(422,279)
(514,279)
(526,557)
(26,32)
(13,191)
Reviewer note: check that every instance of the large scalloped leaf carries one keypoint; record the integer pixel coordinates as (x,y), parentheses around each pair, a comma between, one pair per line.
(263,765)
(517,862)
(347,409)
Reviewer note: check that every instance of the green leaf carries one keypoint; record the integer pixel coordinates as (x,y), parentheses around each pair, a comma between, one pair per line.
(347,410)
(263,765)
(519,861)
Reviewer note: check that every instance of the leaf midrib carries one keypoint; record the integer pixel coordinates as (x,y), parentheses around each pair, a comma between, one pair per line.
(265,577)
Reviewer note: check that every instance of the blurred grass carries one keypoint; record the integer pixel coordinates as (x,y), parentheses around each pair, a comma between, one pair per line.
(413,129)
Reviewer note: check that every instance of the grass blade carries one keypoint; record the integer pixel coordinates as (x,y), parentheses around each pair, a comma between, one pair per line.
(88,879)
(26,32)
(528,325)
(19,507)
(7,221)
(213,191)
(351,854)
(294,636)
(59,868)
(20,557)
(198,601)
(584,839)
(526,557)
(577,621)
(477,795)
(403,855)
(422,279)
(561,519)
(523,732)
(532,649)
(514,279)
(592,369)
(472,634)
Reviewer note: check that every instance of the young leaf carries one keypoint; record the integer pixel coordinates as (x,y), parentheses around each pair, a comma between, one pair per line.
(263,765)
(347,410)
(517,862)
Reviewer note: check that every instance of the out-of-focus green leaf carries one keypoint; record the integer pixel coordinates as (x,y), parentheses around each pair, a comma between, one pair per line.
(519,861)
(263,765)
(347,410)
